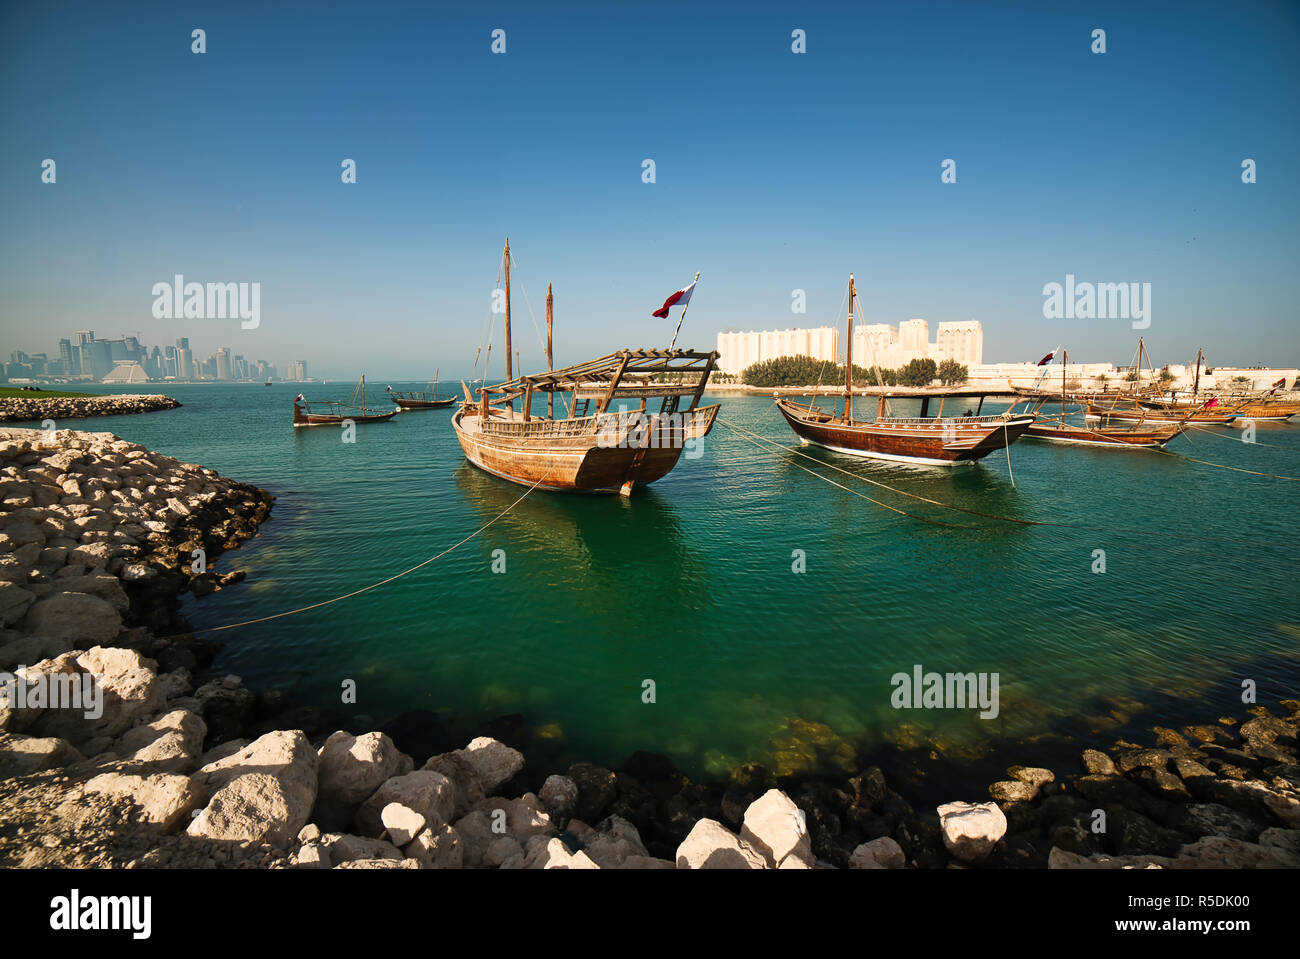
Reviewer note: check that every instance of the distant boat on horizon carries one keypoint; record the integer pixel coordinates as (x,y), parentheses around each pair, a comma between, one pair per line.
(337,412)
(422,399)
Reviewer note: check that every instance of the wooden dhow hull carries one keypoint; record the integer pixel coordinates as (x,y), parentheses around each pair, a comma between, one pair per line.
(303,418)
(405,404)
(1122,437)
(1139,414)
(603,453)
(929,442)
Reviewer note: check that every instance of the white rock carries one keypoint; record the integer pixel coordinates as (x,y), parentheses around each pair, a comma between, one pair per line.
(162,798)
(882,853)
(971,830)
(343,847)
(553,854)
(79,618)
(254,807)
(439,848)
(613,843)
(171,743)
(494,761)
(710,845)
(353,767)
(20,755)
(401,823)
(775,827)
(426,792)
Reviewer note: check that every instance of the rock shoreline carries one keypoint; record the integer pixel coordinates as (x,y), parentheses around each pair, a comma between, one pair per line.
(185,768)
(15,409)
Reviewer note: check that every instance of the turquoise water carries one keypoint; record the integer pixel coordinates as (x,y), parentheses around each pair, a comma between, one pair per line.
(690,583)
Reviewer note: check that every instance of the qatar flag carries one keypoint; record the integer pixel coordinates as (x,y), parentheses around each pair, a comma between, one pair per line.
(1048,358)
(1214,401)
(680,298)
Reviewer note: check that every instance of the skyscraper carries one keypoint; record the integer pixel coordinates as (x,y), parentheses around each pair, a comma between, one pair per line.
(71,358)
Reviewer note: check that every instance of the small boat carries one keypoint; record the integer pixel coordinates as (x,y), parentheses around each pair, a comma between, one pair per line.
(1141,406)
(594,448)
(420,400)
(268,382)
(1141,414)
(926,440)
(1055,428)
(335,413)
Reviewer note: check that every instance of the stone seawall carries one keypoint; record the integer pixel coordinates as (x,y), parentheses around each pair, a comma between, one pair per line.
(16,409)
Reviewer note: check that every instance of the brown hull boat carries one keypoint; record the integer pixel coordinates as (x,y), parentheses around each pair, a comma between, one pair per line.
(602,453)
(406,403)
(1143,415)
(928,441)
(1134,437)
(337,414)
(924,440)
(302,417)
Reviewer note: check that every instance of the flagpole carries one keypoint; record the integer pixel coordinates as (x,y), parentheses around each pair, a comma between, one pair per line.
(683,316)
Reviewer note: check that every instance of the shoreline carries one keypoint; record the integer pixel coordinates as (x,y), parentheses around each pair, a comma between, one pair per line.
(15,409)
(94,557)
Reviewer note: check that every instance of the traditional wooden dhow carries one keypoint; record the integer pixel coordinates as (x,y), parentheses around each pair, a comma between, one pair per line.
(336,413)
(420,399)
(1136,412)
(1056,428)
(594,448)
(926,440)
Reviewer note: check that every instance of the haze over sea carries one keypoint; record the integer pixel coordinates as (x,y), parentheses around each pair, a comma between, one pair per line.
(690,583)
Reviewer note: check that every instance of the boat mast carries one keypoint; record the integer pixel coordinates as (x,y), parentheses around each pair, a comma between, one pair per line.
(550,357)
(1196,383)
(1065,361)
(510,375)
(848,361)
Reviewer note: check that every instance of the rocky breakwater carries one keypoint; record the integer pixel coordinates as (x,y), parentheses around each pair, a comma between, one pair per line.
(1221,795)
(98,536)
(17,409)
(152,782)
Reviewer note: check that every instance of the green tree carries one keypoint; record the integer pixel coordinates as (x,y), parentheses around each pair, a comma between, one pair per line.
(918,373)
(952,373)
(806,371)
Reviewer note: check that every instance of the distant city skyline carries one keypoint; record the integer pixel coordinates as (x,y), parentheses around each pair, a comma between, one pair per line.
(958,163)
(83,356)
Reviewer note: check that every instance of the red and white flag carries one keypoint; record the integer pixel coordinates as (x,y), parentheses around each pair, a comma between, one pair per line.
(680,298)
(1048,358)
(1214,401)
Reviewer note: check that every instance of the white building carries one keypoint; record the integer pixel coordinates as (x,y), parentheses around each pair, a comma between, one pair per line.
(876,344)
(740,350)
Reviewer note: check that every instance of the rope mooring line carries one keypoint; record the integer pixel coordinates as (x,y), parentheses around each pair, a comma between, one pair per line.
(382,582)
(963,509)
(826,479)
(885,486)
(1236,469)
(1220,435)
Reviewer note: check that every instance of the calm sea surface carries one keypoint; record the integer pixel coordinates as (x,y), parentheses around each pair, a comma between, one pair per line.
(690,584)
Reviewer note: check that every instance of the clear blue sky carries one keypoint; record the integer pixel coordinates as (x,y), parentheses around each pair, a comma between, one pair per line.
(775,171)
